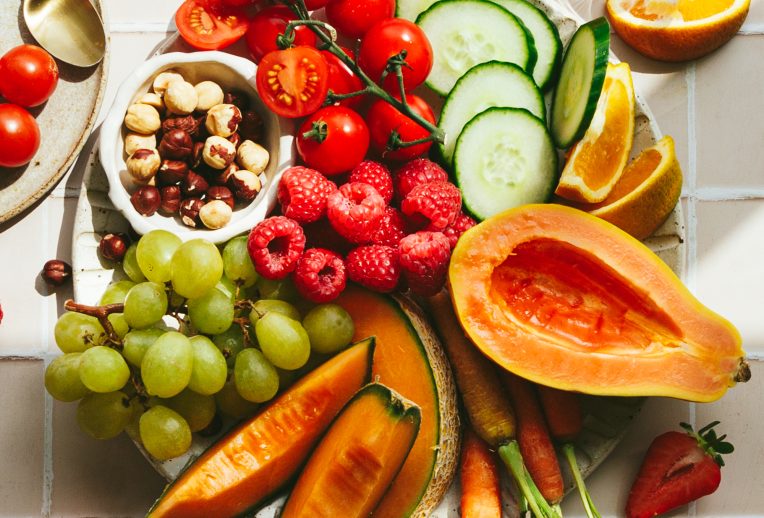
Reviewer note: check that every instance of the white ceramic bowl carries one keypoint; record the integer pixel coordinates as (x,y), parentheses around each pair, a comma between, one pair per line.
(230,72)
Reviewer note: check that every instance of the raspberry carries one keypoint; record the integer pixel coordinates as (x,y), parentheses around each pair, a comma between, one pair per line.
(391,228)
(417,172)
(321,234)
(303,193)
(320,275)
(424,260)
(375,267)
(461,224)
(376,175)
(275,245)
(355,210)
(432,206)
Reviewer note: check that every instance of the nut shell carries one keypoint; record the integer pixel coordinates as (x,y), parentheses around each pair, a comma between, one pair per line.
(113,246)
(176,145)
(180,98)
(223,120)
(136,141)
(171,172)
(171,199)
(222,193)
(215,214)
(142,118)
(189,211)
(189,124)
(209,94)
(56,272)
(218,153)
(143,165)
(193,185)
(252,156)
(146,200)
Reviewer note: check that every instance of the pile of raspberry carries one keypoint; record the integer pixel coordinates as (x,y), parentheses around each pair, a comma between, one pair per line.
(383,231)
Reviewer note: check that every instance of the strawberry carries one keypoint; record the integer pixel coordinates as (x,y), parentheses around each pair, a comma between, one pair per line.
(678,468)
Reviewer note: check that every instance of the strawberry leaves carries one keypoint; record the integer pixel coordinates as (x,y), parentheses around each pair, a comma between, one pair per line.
(708,440)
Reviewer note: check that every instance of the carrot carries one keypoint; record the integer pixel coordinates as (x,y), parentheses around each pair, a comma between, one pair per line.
(490,413)
(481,495)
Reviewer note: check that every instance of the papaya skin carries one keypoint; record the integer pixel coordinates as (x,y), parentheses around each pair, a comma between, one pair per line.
(662,342)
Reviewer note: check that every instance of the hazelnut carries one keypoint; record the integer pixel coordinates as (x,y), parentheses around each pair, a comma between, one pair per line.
(189,211)
(154,100)
(252,156)
(143,119)
(176,144)
(209,94)
(194,185)
(146,200)
(143,164)
(218,152)
(215,214)
(136,141)
(223,120)
(245,185)
(224,194)
(237,98)
(56,272)
(235,139)
(163,80)
(251,126)
(113,246)
(189,124)
(180,98)
(170,200)
(171,172)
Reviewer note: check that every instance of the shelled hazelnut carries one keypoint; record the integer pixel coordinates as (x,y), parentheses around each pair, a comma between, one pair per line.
(180,98)
(223,120)
(189,211)
(252,157)
(136,141)
(146,200)
(176,144)
(154,100)
(142,118)
(209,94)
(171,199)
(245,185)
(171,172)
(163,80)
(143,165)
(215,214)
(218,152)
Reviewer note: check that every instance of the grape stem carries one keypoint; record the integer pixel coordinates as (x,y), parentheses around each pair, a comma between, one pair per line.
(102,314)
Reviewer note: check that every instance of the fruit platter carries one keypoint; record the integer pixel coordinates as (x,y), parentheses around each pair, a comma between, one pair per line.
(417,259)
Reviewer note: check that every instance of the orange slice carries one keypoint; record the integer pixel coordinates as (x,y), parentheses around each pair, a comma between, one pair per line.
(676,30)
(596,162)
(646,193)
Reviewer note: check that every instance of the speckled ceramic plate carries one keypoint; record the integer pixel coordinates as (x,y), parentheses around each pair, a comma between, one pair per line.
(65,120)
(606,418)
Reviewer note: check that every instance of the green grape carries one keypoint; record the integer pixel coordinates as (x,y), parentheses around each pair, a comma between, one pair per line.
(119,324)
(230,402)
(102,369)
(329,327)
(263,306)
(130,264)
(210,370)
(236,262)
(116,292)
(137,342)
(104,416)
(227,286)
(212,313)
(197,409)
(62,378)
(230,342)
(283,340)
(255,377)
(136,411)
(196,267)
(164,433)
(145,305)
(154,254)
(75,332)
(167,365)
(282,290)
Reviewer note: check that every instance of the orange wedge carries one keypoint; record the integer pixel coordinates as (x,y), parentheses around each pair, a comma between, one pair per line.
(646,193)
(596,162)
(676,30)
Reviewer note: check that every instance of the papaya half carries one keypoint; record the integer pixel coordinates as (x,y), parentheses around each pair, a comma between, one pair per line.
(568,300)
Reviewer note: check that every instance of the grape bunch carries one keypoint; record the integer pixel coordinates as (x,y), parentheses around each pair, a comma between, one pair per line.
(192,335)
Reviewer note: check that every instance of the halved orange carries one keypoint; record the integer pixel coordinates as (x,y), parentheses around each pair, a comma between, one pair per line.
(596,162)
(646,193)
(676,30)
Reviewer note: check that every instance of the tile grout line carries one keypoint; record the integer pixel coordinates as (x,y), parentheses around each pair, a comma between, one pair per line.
(47,459)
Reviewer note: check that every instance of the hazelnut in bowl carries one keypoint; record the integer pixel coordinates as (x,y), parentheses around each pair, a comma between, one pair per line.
(189,147)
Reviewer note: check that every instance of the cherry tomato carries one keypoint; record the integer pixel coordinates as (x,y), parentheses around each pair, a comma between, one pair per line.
(383,118)
(239,3)
(210,25)
(268,24)
(333,140)
(19,136)
(293,82)
(312,5)
(352,18)
(28,75)
(388,38)
(342,80)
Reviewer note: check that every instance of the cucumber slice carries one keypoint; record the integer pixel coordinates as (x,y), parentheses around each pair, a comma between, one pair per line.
(504,158)
(464,33)
(546,39)
(581,79)
(410,9)
(486,85)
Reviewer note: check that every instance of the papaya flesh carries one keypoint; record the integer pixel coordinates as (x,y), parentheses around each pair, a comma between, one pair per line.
(568,300)
(356,461)
(246,467)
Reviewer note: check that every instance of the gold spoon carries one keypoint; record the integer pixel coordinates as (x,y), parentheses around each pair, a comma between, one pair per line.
(71,30)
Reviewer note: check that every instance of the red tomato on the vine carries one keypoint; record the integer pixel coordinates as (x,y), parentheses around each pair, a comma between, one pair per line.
(352,18)
(239,3)
(312,5)
(342,80)
(268,24)
(333,140)
(383,118)
(28,75)
(19,136)
(293,82)
(210,25)
(388,38)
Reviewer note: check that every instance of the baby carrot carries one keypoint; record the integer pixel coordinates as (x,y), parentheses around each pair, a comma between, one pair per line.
(481,494)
